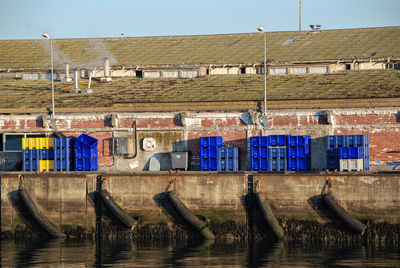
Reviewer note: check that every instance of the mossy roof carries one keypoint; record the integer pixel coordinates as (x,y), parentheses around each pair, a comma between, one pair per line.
(244,48)
(213,88)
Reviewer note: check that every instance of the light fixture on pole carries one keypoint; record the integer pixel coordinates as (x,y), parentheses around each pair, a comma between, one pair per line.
(264,117)
(47,36)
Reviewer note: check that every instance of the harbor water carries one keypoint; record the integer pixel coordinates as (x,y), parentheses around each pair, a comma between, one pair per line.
(124,253)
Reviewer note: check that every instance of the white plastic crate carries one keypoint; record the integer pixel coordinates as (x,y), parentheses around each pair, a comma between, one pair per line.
(351,164)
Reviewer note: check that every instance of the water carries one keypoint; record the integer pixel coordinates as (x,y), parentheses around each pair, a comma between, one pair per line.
(203,254)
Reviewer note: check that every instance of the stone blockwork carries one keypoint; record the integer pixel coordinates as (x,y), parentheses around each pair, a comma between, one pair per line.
(181,132)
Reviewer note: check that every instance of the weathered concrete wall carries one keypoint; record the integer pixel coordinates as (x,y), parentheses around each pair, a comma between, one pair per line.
(62,198)
(181,131)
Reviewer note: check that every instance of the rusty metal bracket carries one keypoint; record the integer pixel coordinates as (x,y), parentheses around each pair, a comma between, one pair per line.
(171,182)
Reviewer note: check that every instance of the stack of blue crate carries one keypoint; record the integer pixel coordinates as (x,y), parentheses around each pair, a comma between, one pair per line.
(351,158)
(85,153)
(228,159)
(268,153)
(299,153)
(334,143)
(209,152)
(63,152)
(259,153)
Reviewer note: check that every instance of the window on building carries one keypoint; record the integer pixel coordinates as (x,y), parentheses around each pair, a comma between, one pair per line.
(139,74)
(348,66)
(276,71)
(298,70)
(243,70)
(395,66)
(13,142)
(319,70)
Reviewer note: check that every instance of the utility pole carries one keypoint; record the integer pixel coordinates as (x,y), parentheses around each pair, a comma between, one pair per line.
(300,15)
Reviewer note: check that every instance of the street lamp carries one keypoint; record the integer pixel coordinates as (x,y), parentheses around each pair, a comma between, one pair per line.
(47,36)
(264,117)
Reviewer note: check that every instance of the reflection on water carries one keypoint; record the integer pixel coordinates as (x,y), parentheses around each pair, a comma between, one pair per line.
(123,253)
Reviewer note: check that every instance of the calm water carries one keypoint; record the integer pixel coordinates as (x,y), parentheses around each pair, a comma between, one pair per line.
(206,254)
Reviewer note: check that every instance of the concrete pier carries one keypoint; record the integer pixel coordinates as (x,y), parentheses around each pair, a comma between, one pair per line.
(63,198)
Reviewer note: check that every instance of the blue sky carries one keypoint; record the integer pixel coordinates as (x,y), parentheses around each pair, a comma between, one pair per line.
(27,19)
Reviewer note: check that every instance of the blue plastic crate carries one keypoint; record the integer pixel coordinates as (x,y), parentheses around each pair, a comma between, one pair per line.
(299,151)
(277,152)
(259,141)
(46,154)
(85,164)
(298,140)
(208,164)
(333,152)
(350,152)
(62,165)
(299,164)
(85,147)
(277,140)
(333,163)
(333,142)
(30,164)
(30,154)
(259,164)
(228,159)
(215,141)
(208,152)
(278,164)
(259,152)
(228,164)
(357,140)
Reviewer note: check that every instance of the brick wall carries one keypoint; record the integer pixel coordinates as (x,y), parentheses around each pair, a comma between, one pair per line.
(382,125)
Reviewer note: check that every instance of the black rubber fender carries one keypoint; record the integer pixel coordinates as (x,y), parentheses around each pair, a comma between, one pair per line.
(268,215)
(355,225)
(115,212)
(188,215)
(36,217)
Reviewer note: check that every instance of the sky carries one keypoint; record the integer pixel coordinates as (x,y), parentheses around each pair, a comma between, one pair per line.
(28,19)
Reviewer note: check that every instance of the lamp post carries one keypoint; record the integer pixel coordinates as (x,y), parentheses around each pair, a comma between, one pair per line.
(265,118)
(47,36)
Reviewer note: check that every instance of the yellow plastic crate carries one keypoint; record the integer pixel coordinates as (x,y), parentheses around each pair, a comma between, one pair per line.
(46,165)
(30,143)
(46,143)
(37,143)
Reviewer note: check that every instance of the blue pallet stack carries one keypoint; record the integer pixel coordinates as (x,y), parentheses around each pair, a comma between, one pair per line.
(277,158)
(63,151)
(228,159)
(85,153)
(209,152)
(268,153)
(30,159)
(259,153)
(299,153)
(334,151)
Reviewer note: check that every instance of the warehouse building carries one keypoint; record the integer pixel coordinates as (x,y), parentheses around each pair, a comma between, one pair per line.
(173,90)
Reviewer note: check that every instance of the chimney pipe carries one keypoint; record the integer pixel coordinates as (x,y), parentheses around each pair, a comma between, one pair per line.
(107,71)
(76,79)
(88,90)
(66,70)
(106,67)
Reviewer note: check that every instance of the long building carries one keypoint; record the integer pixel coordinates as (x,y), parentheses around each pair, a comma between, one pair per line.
(176,89)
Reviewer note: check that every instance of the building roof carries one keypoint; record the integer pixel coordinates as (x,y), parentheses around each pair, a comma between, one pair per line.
(132,92)
(245,48)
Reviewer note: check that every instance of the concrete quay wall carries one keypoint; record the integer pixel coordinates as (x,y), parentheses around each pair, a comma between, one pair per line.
(64,198)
